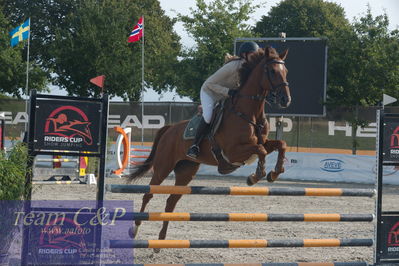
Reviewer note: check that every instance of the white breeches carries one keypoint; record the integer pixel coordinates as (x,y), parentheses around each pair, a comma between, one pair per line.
(207,103)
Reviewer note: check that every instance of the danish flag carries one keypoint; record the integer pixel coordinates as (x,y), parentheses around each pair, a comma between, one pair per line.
(137,31)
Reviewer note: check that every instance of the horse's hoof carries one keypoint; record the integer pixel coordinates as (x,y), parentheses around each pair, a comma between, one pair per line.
(157,250)
(279,170)
(133,231)
(270,177)
(250,180)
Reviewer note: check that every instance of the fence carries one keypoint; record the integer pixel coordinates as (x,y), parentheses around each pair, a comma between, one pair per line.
(301,133)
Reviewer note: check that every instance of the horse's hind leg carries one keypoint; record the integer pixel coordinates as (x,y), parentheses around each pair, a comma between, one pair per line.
(185,172)
(160,173)
(281,146)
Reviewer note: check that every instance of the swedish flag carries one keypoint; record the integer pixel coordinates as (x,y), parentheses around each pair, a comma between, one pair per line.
(20,33)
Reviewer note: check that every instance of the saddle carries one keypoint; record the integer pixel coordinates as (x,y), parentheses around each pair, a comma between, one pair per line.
(224,166)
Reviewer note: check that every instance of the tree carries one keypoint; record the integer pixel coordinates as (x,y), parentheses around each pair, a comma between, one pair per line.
(315,18)
(374,67)
(82,39)
(45,17)
(362,59)
(214,27)
(13,64)
(303,18)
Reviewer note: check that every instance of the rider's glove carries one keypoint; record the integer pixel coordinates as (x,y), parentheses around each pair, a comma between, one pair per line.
(232,93)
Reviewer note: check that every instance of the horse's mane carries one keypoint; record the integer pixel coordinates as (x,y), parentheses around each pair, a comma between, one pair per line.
(253,61)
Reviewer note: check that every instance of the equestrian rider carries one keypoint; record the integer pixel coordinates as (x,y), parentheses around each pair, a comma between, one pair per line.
(222,84)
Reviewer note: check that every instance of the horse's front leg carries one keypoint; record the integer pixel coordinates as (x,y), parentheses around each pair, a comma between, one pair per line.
(260,172)
(242,153)
(260,169)
(281,146)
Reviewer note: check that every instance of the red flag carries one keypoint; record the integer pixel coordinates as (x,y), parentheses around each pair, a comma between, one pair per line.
(137,31)
(98,81)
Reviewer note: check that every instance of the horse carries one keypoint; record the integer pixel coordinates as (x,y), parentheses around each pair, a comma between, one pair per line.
(242,134)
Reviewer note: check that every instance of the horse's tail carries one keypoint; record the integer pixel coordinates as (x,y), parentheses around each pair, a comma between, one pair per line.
(143,168)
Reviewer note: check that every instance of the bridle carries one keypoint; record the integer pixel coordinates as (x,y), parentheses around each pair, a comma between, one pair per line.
(267,70)
(274,88)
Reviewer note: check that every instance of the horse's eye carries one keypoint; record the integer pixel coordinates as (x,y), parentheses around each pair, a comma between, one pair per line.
(272,71)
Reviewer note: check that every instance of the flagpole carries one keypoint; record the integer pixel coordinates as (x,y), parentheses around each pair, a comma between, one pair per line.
(27,76)
(142,88)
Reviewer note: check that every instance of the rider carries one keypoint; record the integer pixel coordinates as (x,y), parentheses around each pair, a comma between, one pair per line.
(222,84)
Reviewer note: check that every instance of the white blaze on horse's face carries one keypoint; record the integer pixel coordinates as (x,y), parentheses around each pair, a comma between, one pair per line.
(276,73)
(286,102)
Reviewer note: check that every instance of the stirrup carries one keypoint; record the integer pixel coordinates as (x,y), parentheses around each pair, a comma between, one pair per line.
(193,151)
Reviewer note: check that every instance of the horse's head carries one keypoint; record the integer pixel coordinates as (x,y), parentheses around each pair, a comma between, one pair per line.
(275,78)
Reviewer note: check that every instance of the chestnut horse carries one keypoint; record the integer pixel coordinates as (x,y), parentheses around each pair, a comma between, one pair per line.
(242,134)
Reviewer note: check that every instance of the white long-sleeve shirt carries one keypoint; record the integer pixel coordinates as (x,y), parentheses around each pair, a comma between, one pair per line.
(227,77)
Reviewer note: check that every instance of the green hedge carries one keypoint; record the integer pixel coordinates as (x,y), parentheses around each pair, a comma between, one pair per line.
(13,172)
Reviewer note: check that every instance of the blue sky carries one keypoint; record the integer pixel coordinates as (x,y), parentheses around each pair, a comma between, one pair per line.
(353,8)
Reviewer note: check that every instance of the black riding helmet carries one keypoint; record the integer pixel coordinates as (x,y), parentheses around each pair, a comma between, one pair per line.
(248,47)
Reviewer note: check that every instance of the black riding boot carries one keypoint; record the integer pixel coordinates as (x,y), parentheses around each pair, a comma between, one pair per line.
(202,130)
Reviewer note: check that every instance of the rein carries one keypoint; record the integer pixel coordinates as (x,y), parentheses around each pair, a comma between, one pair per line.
(252,97)
(258,125)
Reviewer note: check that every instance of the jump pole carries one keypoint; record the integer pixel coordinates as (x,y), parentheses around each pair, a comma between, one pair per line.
(249,191)
(255,243)
(240,217)
(356,263)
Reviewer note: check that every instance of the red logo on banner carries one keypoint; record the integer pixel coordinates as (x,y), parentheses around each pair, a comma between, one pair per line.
(393,235)
(63,233)
(69,122)
(395,138)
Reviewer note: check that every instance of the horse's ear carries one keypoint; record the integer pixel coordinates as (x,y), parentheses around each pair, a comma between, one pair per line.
(267,51)
(283,55)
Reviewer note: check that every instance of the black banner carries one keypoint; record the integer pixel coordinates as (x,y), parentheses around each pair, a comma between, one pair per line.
(306,63)
(67,125)
(391,139)
(390,237)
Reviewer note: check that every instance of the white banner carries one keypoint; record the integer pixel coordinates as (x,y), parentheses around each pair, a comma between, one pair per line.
(321,167)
